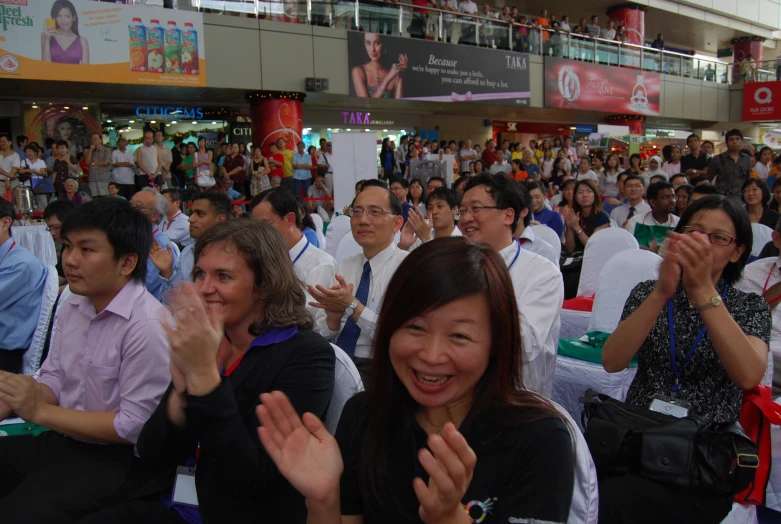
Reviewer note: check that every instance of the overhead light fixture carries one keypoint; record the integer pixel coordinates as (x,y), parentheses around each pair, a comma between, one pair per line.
(108,121)
(349,129)
(195,123)
(384,130)
(214,123)
(173,122)
(66,107)
(153,122)
(85,108)
(328,129)
(131,121)
(35,106)
(573,128)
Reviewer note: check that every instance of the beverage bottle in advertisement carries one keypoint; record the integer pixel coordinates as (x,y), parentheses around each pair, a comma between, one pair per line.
(137,45)
(155,58)
(173,48)
(189,50)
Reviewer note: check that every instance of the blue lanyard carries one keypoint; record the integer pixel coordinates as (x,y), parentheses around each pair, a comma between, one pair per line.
(671,323)
(516,255)
(302,252)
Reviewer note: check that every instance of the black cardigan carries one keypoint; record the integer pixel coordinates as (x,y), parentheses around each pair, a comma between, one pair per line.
(236,480)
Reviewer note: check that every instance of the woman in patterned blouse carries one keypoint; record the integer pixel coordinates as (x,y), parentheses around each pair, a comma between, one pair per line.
(704,258)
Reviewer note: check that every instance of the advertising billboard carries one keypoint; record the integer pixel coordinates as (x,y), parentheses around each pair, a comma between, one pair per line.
(393,67)
(85,41)
(761,101)
(593,87)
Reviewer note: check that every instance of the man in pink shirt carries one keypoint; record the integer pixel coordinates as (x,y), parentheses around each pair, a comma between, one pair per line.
(102,379)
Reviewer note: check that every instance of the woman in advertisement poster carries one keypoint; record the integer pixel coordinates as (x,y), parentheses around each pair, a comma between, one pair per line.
(73,131)
(379,77)
(60,39)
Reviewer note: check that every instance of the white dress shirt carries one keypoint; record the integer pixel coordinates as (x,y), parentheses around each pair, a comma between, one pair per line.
(533,243)
(178,229)
(383,266)
(649,220)
(758,277)
(122,175)
(313,266)
(539,292)
(621,214)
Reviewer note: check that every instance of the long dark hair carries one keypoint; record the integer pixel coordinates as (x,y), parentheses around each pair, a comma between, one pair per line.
(744,236)
(422,194)
(279,288)
(774,202)
(384,150)
(433,275)
(59,5)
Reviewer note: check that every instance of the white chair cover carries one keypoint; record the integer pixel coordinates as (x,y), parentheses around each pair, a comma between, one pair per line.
(347,248)
(616,280)
(31,360)
(38,241)
(584,507)
(337,229)
(574,324)
(318,221)
(741,514)
(601,247)
(762,235)
(573,377)
(347,382)
(548,235)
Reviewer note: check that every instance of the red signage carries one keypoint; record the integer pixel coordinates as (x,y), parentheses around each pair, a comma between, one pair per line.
(592,87)
(761,101)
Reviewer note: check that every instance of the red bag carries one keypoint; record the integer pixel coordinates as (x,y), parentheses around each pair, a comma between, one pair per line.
(757,414)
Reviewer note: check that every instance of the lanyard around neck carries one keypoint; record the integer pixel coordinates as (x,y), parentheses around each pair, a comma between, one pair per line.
(671,324)
(6,253)
(302,252)
(517,253)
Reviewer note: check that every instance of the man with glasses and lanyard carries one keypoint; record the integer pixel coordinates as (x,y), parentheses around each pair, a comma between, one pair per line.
(489,213)
(348,315)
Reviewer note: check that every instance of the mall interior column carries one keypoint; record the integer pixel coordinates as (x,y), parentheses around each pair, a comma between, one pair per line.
(744,46)
(632,16)
(275,115)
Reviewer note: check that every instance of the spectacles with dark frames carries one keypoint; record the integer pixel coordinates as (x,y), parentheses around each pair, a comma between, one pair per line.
(717,239)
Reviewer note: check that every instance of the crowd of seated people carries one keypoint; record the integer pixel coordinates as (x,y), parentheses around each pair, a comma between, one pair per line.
(192,377)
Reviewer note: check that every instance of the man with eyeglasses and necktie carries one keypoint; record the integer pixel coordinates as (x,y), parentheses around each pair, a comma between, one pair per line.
(349,310)
(489,213)
(635,205)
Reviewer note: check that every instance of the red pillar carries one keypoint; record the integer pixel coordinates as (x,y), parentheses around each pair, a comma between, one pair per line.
(634,122)
(744,46)
(275,115)
(632,16)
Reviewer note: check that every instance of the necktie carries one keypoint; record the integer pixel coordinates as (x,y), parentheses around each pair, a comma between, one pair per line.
(631,213)
(350,333)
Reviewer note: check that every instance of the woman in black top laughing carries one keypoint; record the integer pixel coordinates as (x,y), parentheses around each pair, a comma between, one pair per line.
(719,336)
(445,431)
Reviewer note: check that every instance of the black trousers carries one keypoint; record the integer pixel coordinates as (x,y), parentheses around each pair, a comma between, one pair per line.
(54,479)
(11,360)
(142,181)
(636,500)
(146,511)
(126,190)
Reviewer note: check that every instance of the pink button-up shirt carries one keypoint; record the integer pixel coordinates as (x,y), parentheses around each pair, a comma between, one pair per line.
(115,360)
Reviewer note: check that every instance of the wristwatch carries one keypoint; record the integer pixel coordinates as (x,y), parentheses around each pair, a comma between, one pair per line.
(579,232)
(713,302)
(351,308)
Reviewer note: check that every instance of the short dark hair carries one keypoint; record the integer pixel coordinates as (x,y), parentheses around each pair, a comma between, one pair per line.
(672,178)
(403,181)
(174,194)
(128,230)
(632,177)
(395,205)
(707,142)
(445,194)
(698,179)
(733,132)
(686,187)
(762,187)
(177,140)
(705,189)
(659,177)
(741,221)
(112,184)
(20,139)
(58,209)
(220,202)
(503,189)
(281,200)
(7,210)
(693,135)
(59,143)
(623,174)
(441,179)
(654,189)
(531,185)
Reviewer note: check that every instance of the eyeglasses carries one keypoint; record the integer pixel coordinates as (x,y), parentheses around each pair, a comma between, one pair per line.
(717,239)
(372,212)
(53,228)
(473,210)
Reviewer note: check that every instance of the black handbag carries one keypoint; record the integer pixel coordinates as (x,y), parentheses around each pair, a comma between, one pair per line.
(687,452)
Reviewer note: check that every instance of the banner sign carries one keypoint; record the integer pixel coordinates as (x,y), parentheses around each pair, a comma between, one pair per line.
(592,87)
(761,101)
(404,68)
(86,41)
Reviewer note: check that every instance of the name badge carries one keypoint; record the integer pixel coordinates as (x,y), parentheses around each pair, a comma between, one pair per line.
(670,406)
(184,487)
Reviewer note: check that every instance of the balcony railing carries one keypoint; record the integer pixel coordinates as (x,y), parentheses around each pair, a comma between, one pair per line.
(482,29)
